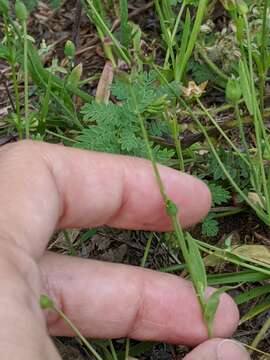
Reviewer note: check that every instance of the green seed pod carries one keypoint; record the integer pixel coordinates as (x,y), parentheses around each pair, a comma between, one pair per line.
(242,7)
(70,49)
(46,302)
(4,6)
(21,11)
(233,91)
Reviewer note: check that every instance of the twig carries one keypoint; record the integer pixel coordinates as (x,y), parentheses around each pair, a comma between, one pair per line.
(77,22)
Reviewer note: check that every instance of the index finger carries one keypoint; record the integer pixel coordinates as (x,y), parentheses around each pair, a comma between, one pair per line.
(45,186)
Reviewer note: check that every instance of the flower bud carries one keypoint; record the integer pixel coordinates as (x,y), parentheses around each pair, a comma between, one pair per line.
(46,302)
(233,91)
(4,6)
(242,7)
(70,49)
(21,11)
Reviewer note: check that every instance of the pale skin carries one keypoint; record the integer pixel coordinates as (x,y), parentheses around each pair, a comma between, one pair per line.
(46,187)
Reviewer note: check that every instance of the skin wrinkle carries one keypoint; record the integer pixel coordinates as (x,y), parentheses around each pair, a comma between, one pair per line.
(124,198)
(138,315)
(62,206)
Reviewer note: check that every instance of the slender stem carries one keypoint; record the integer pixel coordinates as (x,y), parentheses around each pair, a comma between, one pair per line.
(225,255)
(147,248)
(26,83)
(177,143)
(210,64)
(258,211)
(78,333)
(264,55)
(261,334)
(107,31)
(176,25)
(259,127)
(14,80)
(127,349)
(193,37)
(219,128)
(114,355)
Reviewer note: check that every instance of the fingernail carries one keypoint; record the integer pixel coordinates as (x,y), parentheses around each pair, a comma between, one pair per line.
(229,349)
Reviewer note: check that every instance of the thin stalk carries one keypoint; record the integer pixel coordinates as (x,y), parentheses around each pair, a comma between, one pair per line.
(114,355)
(261,334)
(177,143)
(259,127)
(67,237)
(176,26)
(147,248)
(124,22)
(165,32)
(258,211)
(222,132)
(127,349)
(193,37)
(167,202)
(78,333)
(17,100)
(26,82)
(241,129)
(14,81)
(62,137)
(107,31)
(225,255)
(211,65)
(264,55)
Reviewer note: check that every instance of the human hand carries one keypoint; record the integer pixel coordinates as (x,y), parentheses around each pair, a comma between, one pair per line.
(44,187)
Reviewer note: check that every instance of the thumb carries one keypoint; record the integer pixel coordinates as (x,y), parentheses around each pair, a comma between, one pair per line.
(218,349)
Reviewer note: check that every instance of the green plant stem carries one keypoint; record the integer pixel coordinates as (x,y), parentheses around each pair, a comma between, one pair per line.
(264,54)
(234,259)
(147,248)
(124,21)
(258,122)
(127,349)
(14,81)
(67,237)
(222,132)
(107,31)
(172,39)
(258,211)
(114,355)
(165,32)
(77,333)
(26,83)
(193,38)
(261,334)
(210,64)
(177,143)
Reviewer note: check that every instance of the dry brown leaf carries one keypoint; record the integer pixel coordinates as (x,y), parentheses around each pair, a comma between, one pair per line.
(103,90)
(194,90)
(255,252)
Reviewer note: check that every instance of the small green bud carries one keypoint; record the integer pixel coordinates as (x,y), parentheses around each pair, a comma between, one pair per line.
(21,11)
(70,49)
(172,209)
(45,302)
(242,7)
(233,91)
(4,6)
